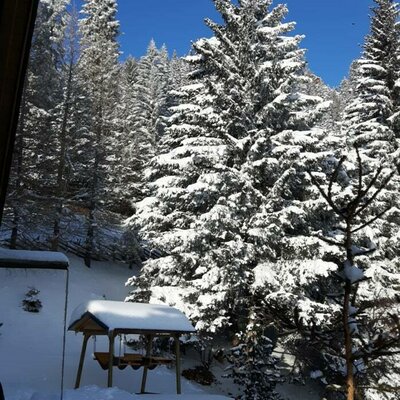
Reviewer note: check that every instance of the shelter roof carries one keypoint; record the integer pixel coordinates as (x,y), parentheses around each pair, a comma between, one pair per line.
(127,317)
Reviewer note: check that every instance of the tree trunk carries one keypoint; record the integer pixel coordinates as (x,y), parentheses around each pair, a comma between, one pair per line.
(90,236)
(92,207)
(350,383)
(19,157)
(348,341)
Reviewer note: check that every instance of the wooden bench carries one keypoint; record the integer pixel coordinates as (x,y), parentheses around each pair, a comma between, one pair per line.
(153,362)
(103,359)
(134,360)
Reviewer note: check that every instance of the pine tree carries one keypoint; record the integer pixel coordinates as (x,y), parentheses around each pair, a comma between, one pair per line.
(148,109)
(98,68)
(368,119)
(282,148)
(123,170)
(64,122)
(210,183)
(195,216)
(178,76)
(371,123)
(253,367)
(331,117)
(365,335)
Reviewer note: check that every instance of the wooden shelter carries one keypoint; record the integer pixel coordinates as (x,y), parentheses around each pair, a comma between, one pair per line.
(113,318)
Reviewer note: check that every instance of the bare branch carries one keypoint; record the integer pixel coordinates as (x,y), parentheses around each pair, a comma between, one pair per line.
(324,195)
(373,197)
(370,222)
(330,241)
(353,204)
(335,175)
(373,180)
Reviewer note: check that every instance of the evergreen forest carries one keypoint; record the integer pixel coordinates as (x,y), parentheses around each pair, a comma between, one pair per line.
(255,198)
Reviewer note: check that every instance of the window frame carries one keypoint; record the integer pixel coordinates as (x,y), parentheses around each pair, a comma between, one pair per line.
(17,21)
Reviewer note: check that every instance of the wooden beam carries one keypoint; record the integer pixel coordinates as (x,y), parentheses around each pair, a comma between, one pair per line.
(178,364)
(111,338)
(81,360)
(146,367)
(17,20)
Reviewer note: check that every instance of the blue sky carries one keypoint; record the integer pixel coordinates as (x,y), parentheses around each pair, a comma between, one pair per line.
(334,29)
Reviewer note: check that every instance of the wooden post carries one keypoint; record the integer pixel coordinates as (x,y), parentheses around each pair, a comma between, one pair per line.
(178,364)
(111,338)
(145,367)
(81,360)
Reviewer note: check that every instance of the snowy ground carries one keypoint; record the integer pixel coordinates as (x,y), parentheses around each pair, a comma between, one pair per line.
(31,343)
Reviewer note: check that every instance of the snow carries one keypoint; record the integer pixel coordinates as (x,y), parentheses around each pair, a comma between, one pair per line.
(352,273)
(183,397)
(316,374)
(299,272)
(31,343)
(175,297)
(93,392)
(23,257)
(140,316)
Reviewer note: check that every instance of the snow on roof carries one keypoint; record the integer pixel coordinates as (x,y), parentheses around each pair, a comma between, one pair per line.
(28,259)
(118,315)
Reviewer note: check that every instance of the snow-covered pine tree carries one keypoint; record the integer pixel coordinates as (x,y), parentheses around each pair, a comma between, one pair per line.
(253,367)
(178,76)
(368,120)
(64,124)
(98,71)
(147,92)
(282,146)
(372,121)
(293,262)
(360,346)
(124,174)
(146,115)
(286,113)
(348,88)
(201,200)
(245,91)
(331,117)
(285,145)
(395,117)
(195,215)
(150,93)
